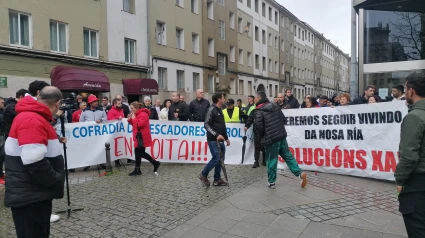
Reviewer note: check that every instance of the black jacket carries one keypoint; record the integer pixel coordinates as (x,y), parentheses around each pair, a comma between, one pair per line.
(154,114)
(8,115)
(360,100)
(250,120)
(270,124)
(215,124)
(181,108)
(291,103)
(198,109)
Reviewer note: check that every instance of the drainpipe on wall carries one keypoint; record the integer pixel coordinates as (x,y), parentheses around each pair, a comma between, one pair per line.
(148,40)
(354,77)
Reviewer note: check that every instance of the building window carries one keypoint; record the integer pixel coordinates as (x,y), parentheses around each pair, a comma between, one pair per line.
(240,87)
(221,65)
(248,3)
(241,56)
(249,59)
(256,6)
(194,6)
(264,64)
(161,38)
(179,38)
(130,51)
(270,14)
(19,29)
(211,84)
(270,90)
(248,27)
(270,40)
(232,20)
(162,78)
(282,69)
(276,67)
(270,66)
(282,45)
(210,47)
(128,6)
(195,81)
(221,2)
(276,42)
(249,87)
(233,86)
(264,9)
(58,36)
(282,21)
(264,37)
(232,54)
(276,18)
(222,30)
(287,57)
(195,43)
(257,61)
(90,43)
(210,10)
(179,3)
(240,25)
(180,80)
(256,33)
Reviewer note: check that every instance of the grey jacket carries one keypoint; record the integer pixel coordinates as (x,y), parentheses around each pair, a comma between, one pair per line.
(93,115)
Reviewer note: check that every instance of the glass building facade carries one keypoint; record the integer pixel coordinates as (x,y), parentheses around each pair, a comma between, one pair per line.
(391,37)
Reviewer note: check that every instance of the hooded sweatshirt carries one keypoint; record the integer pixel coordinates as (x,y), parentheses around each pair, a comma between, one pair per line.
(34,162)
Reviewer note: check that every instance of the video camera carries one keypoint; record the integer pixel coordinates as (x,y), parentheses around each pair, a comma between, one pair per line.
(68,104)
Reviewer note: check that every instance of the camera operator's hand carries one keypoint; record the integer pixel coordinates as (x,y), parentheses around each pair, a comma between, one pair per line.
(63,140)
(98,121)
(59,113)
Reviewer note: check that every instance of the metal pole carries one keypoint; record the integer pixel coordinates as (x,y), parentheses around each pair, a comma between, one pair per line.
(354,77)
(108,157)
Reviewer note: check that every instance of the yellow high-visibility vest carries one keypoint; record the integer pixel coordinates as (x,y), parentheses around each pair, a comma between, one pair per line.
(235,116)
(251,108)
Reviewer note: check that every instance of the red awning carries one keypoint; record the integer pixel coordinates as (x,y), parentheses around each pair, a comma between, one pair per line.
(78,79)
(140,86)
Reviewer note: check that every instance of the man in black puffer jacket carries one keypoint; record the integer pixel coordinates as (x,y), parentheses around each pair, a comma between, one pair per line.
(270,125)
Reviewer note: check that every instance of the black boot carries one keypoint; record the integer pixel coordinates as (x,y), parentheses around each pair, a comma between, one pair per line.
(156,166)
(256,165)
(135,172)
(263,162)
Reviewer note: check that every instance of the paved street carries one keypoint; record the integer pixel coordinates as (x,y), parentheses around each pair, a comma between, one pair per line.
(175,204)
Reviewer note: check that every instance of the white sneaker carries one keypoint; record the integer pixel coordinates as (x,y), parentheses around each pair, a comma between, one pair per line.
(54,218)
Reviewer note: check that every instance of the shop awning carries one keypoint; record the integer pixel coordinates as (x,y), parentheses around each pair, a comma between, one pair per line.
(78,79)
(140,86)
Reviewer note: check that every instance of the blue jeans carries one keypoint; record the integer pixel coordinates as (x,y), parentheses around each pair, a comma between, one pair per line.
(215,161)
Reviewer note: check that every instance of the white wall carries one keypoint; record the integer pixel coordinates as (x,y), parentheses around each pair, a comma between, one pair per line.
(122,25)
(172,74)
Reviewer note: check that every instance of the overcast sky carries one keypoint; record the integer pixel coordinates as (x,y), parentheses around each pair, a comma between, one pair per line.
(331,17)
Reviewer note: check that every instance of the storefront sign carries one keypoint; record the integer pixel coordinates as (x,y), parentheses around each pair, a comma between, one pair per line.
(92,85)
(3,82)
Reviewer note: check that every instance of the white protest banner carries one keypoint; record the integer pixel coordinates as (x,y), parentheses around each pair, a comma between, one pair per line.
(176,142)
(360,140)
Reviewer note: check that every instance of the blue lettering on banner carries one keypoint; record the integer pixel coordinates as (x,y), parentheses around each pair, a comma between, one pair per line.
(234,132)
(99,130)
(176,130)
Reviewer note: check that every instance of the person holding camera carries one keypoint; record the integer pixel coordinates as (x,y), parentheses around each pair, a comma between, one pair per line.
(139,119)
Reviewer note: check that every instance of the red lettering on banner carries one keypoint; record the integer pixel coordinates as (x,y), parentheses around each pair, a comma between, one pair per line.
(390,163)
(156,156)
(361,164)
(193,151)
(308,156)
(117,151)
(199,150)
(183,146)
(170,152)
(377,162)
(128,145)
(317,160)
(349,159)
(206,151)
(336,157)
(327,157)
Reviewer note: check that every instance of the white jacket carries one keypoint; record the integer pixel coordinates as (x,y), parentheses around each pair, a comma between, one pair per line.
(163,115)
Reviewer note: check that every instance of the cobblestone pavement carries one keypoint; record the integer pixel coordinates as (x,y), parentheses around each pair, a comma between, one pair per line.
(142,206)
(355,200)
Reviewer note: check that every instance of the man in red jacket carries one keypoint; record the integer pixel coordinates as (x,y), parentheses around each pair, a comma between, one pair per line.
(34,164)
(77,114)
(116,112)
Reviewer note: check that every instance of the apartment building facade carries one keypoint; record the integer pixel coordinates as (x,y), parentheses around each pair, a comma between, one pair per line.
(88,53)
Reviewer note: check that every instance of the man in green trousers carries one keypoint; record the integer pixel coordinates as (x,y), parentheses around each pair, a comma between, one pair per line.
(270,125)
